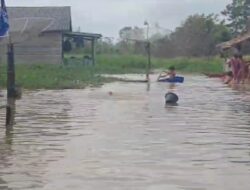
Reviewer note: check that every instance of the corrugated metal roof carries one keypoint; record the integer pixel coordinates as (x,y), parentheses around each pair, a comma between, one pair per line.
(60,16)
(235,41)
(85,35)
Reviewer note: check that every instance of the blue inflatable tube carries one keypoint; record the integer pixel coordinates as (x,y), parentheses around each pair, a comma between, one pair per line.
(177,79)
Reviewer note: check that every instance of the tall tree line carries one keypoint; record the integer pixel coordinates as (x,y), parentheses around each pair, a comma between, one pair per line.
(197,36)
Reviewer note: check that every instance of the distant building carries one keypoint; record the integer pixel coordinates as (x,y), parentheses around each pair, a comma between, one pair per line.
(37,33)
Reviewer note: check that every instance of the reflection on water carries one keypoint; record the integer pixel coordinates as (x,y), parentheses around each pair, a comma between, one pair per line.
(128,139)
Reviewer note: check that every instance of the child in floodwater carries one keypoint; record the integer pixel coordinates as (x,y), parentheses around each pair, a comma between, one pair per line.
(244,70)
(171,73)
(235,65)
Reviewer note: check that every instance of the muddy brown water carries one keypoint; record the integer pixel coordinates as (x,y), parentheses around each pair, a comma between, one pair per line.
(128,139)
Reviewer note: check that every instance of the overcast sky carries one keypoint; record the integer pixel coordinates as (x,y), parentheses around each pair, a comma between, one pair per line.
(109,16)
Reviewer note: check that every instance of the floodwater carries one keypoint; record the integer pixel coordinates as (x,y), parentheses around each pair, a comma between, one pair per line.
(93,139)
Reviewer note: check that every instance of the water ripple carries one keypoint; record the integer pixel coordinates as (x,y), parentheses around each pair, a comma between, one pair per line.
(89,139)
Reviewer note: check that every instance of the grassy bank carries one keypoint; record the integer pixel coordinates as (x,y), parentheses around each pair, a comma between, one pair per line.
(191,65)
(47,76)
(74,74)
(137,64)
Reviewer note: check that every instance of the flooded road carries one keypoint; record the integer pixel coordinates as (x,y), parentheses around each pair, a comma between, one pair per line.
(92,139)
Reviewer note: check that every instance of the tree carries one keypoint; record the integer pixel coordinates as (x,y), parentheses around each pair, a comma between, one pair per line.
(237,14)
(105,45)
(164,47)
(125,33)
(128,33)
(129,37)
(197,36)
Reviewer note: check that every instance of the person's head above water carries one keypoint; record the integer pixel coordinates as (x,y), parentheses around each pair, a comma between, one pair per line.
(236,55)
(240,56)
(171,68)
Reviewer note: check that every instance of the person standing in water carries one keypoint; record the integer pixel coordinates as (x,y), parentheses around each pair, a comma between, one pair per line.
(244,69)
(235,66)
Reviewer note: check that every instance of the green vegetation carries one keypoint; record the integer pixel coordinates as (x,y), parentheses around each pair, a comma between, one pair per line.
(237,15)
(73,74)
(120,64)
(137,64)
(47,76)
(191,65)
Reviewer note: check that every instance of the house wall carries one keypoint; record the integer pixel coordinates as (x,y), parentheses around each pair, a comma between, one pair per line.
(46,48)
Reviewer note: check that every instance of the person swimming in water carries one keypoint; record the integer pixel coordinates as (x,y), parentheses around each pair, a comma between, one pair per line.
(170,74)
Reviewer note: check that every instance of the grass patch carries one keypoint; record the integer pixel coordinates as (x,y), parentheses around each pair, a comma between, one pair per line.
(47,76)
(191,65)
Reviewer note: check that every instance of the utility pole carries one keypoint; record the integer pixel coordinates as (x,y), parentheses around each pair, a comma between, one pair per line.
(148,48)
(10,72)
(11,89)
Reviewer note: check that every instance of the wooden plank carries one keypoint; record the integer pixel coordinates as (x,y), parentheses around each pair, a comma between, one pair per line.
(128,80)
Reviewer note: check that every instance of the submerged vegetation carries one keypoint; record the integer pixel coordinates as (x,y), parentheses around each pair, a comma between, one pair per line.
(74,74)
